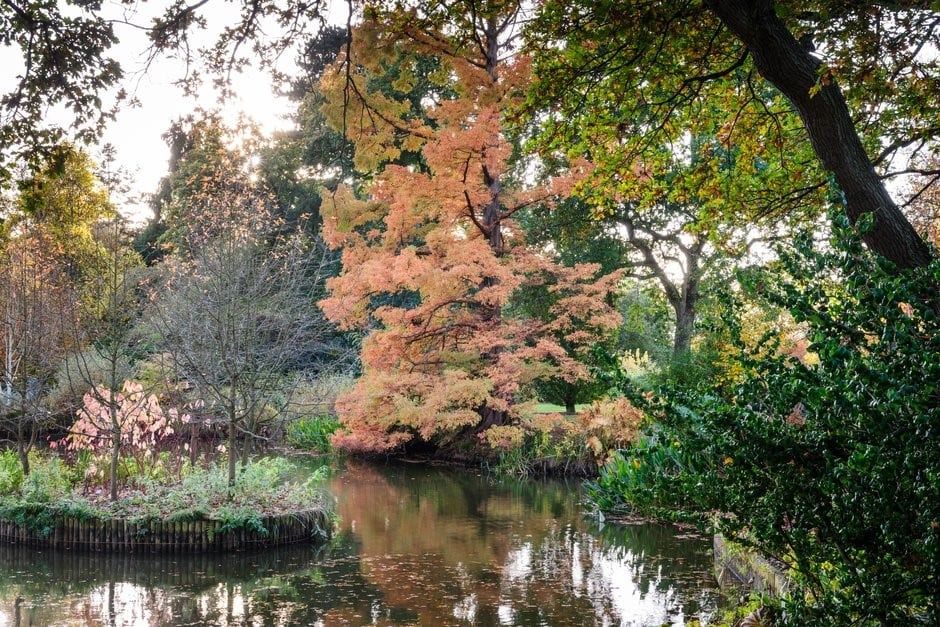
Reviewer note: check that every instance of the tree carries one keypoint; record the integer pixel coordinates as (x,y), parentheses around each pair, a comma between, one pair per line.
(64,196)
(567,231)
(53,258)
(236,319)
(672,215)
(63,52)
(813,90)
(635,67)
(107,342)
(35,299)
(211,187)
(676,235)
(432,260)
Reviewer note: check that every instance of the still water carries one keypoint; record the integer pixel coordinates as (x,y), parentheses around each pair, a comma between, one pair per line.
(415,546)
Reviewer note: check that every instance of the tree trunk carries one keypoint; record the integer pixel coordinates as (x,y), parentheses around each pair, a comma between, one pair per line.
(115,451)
(685,327)
(115,458)
(570,406)
(490,418)
(781,60)
(232,452)
(684,301)
(492,212)
(193,440)
(492,221)
(22,451)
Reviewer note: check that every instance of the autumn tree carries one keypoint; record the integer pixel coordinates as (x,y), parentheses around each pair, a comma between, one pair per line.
(846,81)
(567,231)
(57,258)
(35,299)
(433,257)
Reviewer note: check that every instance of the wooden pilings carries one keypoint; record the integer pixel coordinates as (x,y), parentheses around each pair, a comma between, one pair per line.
(193,536)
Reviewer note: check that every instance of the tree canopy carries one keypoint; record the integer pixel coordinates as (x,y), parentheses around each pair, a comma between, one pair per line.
(644,71)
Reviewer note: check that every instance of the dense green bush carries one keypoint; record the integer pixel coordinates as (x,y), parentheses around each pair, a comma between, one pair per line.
(834,468)
(49,480)
(312,434)
(11,472)
(642,477)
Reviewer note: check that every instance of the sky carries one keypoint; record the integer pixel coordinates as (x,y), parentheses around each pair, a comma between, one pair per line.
(136,132)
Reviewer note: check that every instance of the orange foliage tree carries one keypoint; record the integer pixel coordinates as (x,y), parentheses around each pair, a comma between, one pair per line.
(432,259)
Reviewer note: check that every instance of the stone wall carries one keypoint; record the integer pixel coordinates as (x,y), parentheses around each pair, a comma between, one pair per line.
(736,565)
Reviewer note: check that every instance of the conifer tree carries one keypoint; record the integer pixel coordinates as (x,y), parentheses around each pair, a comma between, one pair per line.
(433,257)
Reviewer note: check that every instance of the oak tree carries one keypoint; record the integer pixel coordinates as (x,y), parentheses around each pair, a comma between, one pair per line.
(853,76)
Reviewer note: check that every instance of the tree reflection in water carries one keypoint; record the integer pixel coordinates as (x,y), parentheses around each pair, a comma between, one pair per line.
(414,546)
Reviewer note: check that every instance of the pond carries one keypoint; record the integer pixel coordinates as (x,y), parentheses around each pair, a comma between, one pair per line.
(415,546)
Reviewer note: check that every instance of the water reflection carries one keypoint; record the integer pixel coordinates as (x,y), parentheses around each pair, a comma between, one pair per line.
(415,546)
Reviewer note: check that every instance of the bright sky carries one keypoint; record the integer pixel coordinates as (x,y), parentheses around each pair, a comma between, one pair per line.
(136,132)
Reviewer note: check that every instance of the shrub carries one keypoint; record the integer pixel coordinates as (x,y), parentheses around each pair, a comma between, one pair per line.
(609,425)
(11,472)
(312,434)
(318,396)
(561,442)
(49,479)
(142,422)
(832,468)
(642,475)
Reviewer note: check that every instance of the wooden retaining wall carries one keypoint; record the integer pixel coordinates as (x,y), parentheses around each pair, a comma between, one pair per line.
(166,537)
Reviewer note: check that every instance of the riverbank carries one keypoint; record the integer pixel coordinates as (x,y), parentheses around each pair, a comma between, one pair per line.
(539,444)
(65,532)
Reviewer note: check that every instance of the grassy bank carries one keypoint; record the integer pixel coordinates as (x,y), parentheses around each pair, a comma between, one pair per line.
(55,487)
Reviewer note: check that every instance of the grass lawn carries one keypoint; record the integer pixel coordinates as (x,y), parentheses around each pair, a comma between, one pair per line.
(551,408)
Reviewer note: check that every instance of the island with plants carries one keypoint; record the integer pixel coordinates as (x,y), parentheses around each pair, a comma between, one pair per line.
(60,505)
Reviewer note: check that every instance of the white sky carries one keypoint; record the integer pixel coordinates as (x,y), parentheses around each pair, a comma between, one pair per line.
(136,131)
